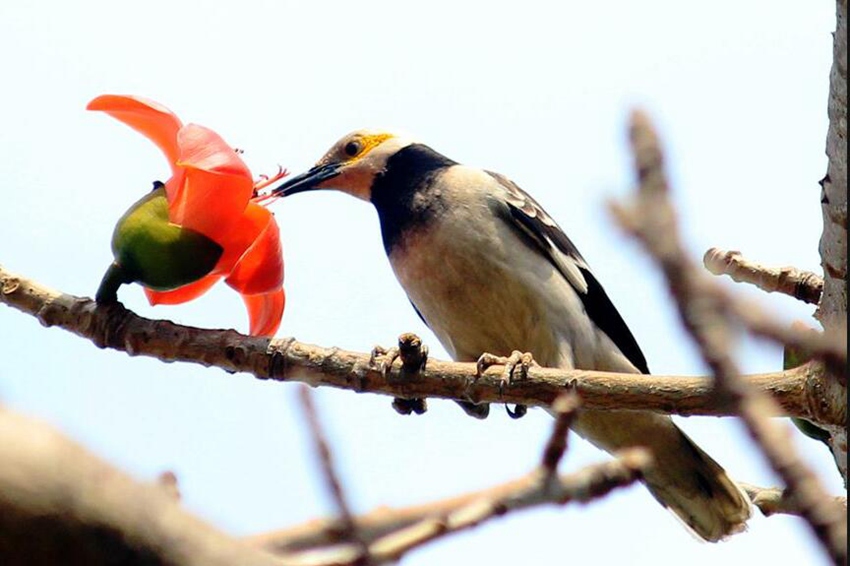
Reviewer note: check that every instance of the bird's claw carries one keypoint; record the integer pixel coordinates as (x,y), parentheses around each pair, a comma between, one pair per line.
(413,355)
(516,368)
(381,359)
(516,365)
(416,405)
(517,412)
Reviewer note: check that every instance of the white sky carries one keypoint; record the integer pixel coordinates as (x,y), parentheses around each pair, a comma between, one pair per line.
(537,91)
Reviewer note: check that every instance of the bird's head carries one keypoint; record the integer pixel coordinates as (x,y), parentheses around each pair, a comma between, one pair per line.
(349,166)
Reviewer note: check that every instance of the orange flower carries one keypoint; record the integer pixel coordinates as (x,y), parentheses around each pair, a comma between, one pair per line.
(209,193)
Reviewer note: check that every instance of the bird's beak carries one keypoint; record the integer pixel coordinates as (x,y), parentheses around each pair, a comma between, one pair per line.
(309,180)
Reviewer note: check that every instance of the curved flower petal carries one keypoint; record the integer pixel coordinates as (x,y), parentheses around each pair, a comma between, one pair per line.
(265,311)
(210,192)
(260,267)
(185,293)
(202,148)
(217,184)
(149,118)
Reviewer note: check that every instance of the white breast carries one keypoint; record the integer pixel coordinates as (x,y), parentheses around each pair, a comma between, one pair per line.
(482,289)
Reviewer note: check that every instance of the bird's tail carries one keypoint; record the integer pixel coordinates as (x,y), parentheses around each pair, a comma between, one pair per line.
(683,478)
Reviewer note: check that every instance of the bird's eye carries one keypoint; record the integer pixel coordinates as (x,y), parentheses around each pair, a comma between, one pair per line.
(352,148)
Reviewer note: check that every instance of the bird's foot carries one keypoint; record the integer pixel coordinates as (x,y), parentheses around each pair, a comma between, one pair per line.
(403,406)
(414,356)
(516,365)
(381,359)
(476,410)
(413,353)
(516,368)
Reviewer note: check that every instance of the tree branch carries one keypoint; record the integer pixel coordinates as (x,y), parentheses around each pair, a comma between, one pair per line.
(797,391)
(774,500)
(564,409)
(803,285)
(345,529)
(59,504)
(708,314)
(538,488)
(392,532)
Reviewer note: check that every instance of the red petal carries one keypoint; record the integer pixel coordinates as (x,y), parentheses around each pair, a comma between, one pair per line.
(185,293)
(149,118)
(217,185)
(260,269)
(265,311)
(241,235)
(202,148)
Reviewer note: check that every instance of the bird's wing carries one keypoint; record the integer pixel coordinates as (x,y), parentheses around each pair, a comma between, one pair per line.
(418,313)
(536,227)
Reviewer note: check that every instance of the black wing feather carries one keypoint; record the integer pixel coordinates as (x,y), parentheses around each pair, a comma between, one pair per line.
(422,318)
(537,228)
(602,312)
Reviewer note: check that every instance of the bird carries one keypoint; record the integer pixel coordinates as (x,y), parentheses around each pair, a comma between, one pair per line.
(491,273)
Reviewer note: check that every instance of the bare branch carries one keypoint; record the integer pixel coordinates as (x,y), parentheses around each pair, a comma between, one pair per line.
(797,390)
(652,220)
(803,285)
(393,532)
(774,500)
(565,408)
(59,504)
(831,347)
(346,529)
(587,484)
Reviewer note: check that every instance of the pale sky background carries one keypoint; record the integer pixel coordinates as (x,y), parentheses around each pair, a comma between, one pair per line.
(537,91)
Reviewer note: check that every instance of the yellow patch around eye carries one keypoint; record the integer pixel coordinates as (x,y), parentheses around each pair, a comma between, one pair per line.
(370,141)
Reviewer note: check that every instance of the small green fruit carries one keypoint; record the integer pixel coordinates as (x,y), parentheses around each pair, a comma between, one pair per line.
(150,250)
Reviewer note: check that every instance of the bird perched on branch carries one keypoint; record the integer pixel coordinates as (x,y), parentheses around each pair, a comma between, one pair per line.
(490,272)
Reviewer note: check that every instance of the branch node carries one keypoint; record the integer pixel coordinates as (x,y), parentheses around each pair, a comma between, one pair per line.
(802,285)
(278,351)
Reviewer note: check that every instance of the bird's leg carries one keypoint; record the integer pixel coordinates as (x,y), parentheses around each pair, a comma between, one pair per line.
(414,356)
(516,368)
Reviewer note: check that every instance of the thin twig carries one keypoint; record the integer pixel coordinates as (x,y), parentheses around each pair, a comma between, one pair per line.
(346,528)
(565,409)
(802,285)
(830,347)
(651,219)
(587,484)
(392,533)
